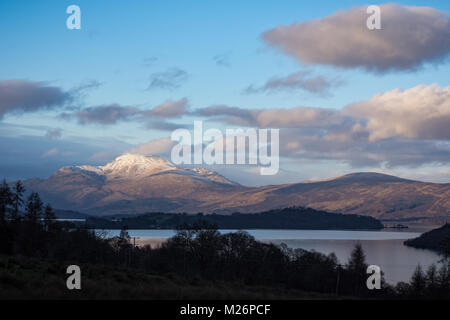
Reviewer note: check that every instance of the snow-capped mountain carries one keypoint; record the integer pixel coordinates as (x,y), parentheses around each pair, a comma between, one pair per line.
(131,166)
(133,183)
(134,166)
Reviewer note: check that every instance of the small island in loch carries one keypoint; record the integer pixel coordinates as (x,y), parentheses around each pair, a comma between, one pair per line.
(299,218)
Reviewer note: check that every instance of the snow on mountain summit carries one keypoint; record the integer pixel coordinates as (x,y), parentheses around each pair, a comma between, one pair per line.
(135,165)
(126,166)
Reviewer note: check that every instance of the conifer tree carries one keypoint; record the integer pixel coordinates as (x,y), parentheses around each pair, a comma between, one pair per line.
(34,208)
(49,216)
(357,267)
(5,199)
(418,282)
(17,199)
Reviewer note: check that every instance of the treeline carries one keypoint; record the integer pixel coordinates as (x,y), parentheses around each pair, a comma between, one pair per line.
(287,218)
(197,254)
(37,233)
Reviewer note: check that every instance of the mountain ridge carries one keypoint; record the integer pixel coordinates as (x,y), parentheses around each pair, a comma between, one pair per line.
(134,184)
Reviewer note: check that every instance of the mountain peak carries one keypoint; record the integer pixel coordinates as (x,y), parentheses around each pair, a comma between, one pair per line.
(133,159)
(131,166)
(135,165)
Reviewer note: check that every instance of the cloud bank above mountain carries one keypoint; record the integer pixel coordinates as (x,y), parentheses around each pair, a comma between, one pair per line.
(396,128)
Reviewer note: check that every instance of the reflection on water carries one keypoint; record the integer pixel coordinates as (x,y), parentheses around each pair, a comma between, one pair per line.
(382,248)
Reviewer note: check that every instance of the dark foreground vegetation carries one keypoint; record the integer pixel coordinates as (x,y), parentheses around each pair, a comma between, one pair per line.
(288,218)
(437,240)
(198,262)
(31,278)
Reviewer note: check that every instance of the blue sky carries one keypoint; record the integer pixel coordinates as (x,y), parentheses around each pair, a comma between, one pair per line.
(123,43)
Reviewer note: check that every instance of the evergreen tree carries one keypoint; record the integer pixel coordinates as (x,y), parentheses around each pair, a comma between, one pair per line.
(357,261)
(432,278)
(5,199)
(444,276)
(17,199)
(49,216)
(418,282)
(357,268)
(34,208)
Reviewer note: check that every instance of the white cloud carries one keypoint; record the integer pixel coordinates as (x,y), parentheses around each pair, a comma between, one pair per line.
(422,112)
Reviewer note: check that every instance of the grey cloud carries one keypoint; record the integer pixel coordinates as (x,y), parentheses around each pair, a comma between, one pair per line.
(165,126)
(170,109)
(222,60)
(148,62)
(54,133)
(114,113)
(360,152)
(106,114)
(169,79)
(87,85)
(276,118)
(410,36)
(19,96)
(302,80)
(228,114)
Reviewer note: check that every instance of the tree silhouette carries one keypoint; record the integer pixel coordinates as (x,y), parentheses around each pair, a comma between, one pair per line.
(49,217)
(17,199)
(418,282)
(5,199)
(34,208)
(357,267)
(357,261)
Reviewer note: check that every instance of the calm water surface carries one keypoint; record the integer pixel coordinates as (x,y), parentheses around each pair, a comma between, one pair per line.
(383,248)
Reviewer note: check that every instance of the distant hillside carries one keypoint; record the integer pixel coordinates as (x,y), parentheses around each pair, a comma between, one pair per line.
(381,196)
(68,214)
(134,184)
(289,218)
(437,240)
